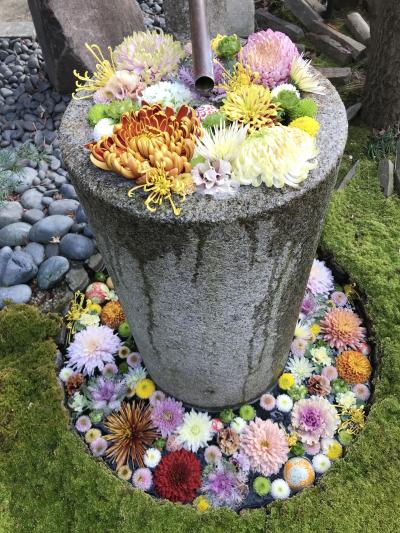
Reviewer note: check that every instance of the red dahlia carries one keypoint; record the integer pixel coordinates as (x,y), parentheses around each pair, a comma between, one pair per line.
(177,477)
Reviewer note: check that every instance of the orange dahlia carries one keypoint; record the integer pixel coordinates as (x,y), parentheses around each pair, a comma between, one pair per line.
(353,367)
(146,139)
(112,315)
(342,328)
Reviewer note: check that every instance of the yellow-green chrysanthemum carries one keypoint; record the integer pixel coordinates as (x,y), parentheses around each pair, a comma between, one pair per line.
(307,124)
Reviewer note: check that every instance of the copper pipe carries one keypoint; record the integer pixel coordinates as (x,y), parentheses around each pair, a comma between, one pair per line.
(203,70)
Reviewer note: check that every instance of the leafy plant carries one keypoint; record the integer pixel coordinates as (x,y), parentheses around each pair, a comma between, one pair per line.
(384,144)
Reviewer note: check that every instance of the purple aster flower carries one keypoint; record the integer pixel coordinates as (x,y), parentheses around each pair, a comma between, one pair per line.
(142,479)
(212,454)
(167,415)
(110,370)
(321,279)
(106,394)
(157,396)
(98,447)
(339,298)
(222,486)
(242,464)
(185,76)
(308,305)
(134,359)
(298,346)
(83,424)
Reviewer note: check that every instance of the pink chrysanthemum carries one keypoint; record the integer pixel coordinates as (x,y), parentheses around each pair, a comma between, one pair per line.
(92,349)
(362,392)
(267,402)
(342,328)
(270,54)
(122,85)
(265,445)
(320,280)
(330,372)
(314,418)
(167,415)
(142,479)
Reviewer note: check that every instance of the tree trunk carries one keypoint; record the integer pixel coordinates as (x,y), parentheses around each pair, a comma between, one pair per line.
(381,106)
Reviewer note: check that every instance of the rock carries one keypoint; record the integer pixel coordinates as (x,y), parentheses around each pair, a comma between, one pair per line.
(10,212)
(23,180)
(51,250)
(19,294)
(385,174)
(15,234)
(353,110)
(266,20)
(63,207)
(52,272)
(397,170)
(32,199)
(77,279)
(316,6)
(224,16)
(357,49)
(49,227)
(46,200)
(303,12)
(5,255)
(76,247)
(87,231)
(349,176)
(36,251)
(20,268)
(80,215)
(68,191)
(63,28)
(336,75)
(358,27)
(33,215)
(96,262)
(331,48)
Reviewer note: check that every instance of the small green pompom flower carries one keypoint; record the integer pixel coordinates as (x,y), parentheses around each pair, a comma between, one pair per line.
(96,417)
(118,107)
(288,100)
(123,368)
(228,46)
(100,276)
(160,444)
(345,437)
(124,330)
(96,113)
(303,108)
(261,485)
(213,120)
(339,385)
(247,412)
(297,392)
(226,416)
(297,449)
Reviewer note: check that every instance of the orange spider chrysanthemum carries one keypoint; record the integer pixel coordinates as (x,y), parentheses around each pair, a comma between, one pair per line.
(353,367)
(342,328)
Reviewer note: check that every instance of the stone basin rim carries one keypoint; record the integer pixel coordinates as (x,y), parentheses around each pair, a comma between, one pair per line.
(250,202)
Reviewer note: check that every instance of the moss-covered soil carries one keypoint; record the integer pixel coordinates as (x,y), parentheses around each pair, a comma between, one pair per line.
(49,483)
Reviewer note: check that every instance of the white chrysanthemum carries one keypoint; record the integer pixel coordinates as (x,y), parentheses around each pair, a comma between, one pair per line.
(89,319)
(301,368)
(321,463)
(320,356)
(304,78)
(65,373)
(152,457)
(277,156)
(280,490)
(104,127)
(167,93)
(284,403)
(222,142)
(135,375)
(78,403)
(284,87)
(195,431)
(302,331)
(346,399)
(238,424)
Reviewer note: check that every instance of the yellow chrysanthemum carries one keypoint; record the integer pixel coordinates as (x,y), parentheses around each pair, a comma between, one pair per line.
(241,76)
(124,472)
(105,69)
(307,124)
(95,307)
(252,105)
(145,388)
(292,439)
(201,503)
(315,330)
(334,451)
(92,435)
(286,381)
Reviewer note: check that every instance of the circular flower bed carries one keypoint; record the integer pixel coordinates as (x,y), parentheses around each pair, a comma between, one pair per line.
(237,458)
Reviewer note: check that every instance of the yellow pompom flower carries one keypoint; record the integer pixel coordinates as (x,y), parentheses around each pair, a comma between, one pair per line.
(334,451)
(201,504)
(124,472)
(286,381)
(145,388)
(307,124)
(92,435)
(315,329)
(292,439)
(95,307)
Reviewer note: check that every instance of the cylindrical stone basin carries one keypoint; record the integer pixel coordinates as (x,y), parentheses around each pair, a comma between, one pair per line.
(212,296)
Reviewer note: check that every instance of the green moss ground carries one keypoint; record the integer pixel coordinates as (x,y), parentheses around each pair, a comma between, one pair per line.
(49,483)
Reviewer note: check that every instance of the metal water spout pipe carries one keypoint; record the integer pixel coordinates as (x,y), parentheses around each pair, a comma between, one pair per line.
(203,71)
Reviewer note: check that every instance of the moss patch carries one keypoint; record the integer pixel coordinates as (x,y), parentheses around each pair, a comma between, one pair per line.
(49,483)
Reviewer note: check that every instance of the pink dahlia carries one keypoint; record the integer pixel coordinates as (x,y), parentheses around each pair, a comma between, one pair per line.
(265,445)
(314,418)
(342,328)
(122,85)
(321,279)
(92,349)
(270,54)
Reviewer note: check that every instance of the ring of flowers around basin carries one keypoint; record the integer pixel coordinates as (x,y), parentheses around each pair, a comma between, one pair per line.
(264,451)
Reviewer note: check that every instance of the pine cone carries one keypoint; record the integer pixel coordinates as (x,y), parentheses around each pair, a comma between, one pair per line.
(228,440)
(74,383)
(318,386)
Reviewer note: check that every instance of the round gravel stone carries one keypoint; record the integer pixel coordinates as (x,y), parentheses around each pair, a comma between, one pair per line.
(33,215)
(52,271)
(68,191)
(10,212)
(32,199)
(80,215)
(63,207)
(15,234)
(49,227)
(76,247)
(19,294)
(36,251)
(23,179)
(20,268)
(5,255)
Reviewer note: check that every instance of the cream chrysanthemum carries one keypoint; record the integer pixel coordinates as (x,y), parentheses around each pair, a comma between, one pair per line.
(195,431)
(304,78)
(222,142)
(288,155)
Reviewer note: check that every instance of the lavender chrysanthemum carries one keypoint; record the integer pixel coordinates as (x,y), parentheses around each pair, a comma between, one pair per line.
(321,279)
(167,415)
(92,348)
(106,394)
(222,486)
(270,54)
(142,479)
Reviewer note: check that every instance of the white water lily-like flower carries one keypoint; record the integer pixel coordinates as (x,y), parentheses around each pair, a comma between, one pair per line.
(284,87)
(195,431)
(167,93)
(104,127)
(222,142)
(276,156)
(304,78)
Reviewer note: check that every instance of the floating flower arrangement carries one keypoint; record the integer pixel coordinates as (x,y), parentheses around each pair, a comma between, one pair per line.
(237,458)
(256,127)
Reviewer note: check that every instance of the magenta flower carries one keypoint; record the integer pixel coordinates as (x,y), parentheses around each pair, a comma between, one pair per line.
(271,54)
(314,418)
(308,305)
(167,415)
